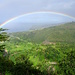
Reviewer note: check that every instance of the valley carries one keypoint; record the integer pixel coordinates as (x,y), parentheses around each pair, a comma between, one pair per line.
(45,48)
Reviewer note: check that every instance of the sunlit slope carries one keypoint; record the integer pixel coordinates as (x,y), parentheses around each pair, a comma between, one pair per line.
(61,33)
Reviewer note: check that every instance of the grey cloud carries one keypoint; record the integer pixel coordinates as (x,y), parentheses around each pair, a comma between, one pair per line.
(12,8)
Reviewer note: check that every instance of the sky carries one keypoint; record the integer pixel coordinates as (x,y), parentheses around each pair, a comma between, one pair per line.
(13,8)
(35,20)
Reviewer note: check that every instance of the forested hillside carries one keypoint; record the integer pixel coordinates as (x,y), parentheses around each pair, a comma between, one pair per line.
(60,33)
(48,51)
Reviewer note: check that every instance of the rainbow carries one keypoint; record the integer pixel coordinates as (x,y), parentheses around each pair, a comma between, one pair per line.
(14,18)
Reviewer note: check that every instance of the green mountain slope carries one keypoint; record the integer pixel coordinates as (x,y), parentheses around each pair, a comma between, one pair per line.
(61,33)
(56,56)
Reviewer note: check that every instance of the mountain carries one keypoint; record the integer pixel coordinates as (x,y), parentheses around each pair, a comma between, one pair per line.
(19,27)
(61,33)
(42,26)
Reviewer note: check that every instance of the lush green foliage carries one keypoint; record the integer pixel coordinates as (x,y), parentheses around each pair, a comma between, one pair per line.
(67,65)
(50,51)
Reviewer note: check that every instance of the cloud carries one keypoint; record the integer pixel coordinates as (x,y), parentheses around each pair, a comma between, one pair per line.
(69,5)
(12,8)
(60,5)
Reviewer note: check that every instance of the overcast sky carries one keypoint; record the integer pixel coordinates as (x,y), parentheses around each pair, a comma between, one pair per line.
(12,8)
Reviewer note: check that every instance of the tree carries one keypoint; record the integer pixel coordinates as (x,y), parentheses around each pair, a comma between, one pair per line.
(5,65)
(3,38)
(67,65)
(23,66)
